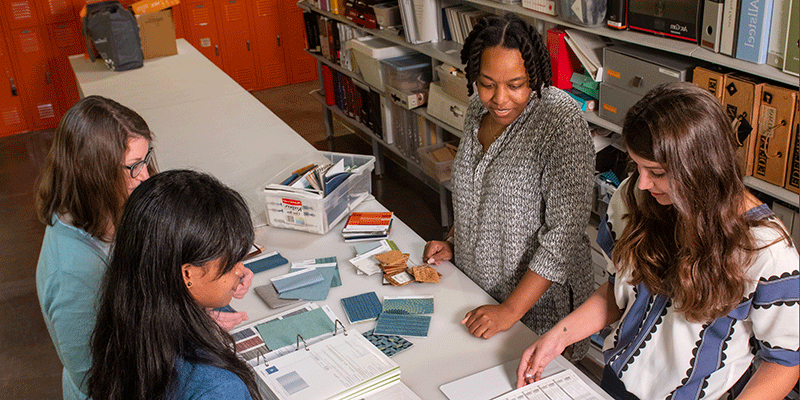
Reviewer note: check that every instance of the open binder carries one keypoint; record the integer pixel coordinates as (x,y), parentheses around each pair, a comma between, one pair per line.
(322,361)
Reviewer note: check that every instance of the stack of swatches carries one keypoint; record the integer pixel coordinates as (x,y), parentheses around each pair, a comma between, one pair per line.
(384,256)
(398,316)
(367,226)
(309,280)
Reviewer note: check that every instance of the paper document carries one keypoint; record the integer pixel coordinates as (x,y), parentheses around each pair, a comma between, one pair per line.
(564,385)
(589,50)
(493,382)
(341,367)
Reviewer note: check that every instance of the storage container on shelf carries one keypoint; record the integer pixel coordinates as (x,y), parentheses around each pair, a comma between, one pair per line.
(302,210)
(409,73)
(453,84)
(439,170)
(368,52)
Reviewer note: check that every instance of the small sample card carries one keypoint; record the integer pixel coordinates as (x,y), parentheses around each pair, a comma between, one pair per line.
(399,279)
(403,325)
(426,273)
(363,307)
(227,308)
(297,279)
(316,291)
(270,296)
(263,262)
(388,344)
(408,305)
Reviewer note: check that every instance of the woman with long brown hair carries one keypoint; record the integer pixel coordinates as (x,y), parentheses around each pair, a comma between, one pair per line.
(704,278)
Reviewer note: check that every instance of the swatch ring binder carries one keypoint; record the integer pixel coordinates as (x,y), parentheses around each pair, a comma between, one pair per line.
(299,338)
(337,324)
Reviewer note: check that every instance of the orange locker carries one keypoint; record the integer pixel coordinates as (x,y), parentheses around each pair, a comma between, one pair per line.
(66,40)
(202,33)
(12,115)
(237,47)
(301,65)
(38,80)
(269,43)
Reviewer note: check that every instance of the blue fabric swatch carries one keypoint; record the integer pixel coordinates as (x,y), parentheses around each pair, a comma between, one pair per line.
(314,292)
(296,280)
(403,325)
(263,264)
(363,307)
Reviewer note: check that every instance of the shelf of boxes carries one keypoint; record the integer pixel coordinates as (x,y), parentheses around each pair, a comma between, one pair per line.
(651,41)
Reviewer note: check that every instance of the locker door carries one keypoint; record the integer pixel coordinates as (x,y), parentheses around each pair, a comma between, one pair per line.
(66,40)
(302,66)
(177,19)
(238,50)
(57,11)
(269,54)
(202,30)
(12,116)
(37,81)
(20,13)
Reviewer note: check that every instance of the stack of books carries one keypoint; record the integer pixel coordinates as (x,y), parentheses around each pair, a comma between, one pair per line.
(363,226)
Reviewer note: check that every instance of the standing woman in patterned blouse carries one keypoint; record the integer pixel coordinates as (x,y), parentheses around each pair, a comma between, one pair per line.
(522,183)
(704,276)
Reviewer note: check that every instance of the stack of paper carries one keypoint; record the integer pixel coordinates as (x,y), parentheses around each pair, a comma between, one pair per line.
(364,226)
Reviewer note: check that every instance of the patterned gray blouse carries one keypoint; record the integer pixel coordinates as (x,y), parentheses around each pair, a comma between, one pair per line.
(525,204)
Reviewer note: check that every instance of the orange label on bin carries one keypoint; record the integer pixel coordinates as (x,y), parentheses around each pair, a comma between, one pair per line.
(609,108)
(614,74)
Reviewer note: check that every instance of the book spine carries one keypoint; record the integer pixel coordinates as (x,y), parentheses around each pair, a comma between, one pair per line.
(754,28)
(617,14)
(790,54)
(778,31)
(730,28)
(712,21)
(327,80)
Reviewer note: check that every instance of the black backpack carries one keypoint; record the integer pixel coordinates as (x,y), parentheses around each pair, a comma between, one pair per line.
(115,35)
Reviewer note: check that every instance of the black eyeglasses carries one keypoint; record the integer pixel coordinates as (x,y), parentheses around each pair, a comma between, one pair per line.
(138,166)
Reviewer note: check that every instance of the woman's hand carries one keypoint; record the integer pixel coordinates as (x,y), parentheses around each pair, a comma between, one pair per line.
(244,284)
(227,320)
(488,320)
(437,251)
(539,354)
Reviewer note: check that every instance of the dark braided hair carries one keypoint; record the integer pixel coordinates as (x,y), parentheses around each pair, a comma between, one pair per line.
(511,32)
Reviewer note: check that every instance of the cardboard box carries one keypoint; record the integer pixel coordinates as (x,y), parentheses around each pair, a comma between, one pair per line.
(453,82)
(709,80)
(792,178)
(151,6)
(741,99)
(446,108)
(773,142)
(157,31)
(408,100)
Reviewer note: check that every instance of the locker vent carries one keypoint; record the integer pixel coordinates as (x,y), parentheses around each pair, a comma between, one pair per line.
(56,6)
(11,117)
(46,111)
(28,42)
(234,11)
(200,16)
(21,10)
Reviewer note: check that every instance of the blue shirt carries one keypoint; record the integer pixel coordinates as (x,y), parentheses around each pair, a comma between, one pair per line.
(68,277)
(201,381)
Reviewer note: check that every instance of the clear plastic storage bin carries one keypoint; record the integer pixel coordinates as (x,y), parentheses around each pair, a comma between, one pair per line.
(411,73)
(302,210)
(441,170)
(368,52)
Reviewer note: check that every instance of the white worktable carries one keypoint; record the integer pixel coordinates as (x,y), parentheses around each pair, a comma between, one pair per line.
(203,120)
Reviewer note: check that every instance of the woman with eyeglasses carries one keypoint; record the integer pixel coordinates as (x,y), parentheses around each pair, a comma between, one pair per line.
(101,152)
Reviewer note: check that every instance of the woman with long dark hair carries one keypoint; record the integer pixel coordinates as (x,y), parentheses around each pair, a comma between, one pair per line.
(178,251)
(704,278)
(522,184)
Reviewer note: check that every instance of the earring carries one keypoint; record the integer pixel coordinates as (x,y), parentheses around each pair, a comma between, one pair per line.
(189,284)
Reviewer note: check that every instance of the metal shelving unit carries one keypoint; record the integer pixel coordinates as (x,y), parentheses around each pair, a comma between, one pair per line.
(449,52)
